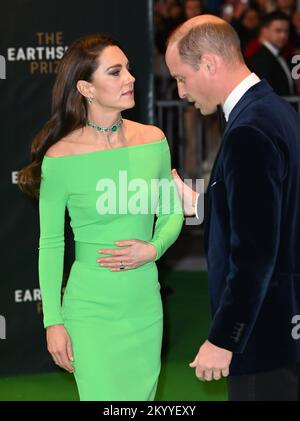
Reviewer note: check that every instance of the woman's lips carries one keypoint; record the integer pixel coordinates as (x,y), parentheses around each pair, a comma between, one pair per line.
(128,93)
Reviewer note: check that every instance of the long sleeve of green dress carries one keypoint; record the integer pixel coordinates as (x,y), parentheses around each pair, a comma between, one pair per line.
(52,206)
(169,213)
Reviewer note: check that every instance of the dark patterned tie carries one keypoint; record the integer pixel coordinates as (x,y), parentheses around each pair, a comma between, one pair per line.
(221,117)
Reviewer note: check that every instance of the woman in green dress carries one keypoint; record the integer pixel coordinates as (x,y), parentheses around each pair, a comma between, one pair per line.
(114,178)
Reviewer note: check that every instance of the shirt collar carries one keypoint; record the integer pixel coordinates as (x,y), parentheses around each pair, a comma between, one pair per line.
(235,95)
(271,48)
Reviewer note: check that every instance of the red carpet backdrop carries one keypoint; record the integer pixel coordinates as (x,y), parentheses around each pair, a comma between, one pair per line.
(34,36)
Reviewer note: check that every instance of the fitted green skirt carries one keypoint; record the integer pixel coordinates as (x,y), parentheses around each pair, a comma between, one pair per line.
(114,320)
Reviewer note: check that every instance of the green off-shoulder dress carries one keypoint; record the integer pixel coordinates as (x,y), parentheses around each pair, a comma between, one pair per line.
(114,319)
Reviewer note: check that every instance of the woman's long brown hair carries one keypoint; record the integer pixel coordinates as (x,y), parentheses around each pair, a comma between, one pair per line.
(69,107)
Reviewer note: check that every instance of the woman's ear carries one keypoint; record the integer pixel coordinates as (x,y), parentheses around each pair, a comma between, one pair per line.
(84,88)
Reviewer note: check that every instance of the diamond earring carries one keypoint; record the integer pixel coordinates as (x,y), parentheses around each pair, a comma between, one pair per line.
(90,99)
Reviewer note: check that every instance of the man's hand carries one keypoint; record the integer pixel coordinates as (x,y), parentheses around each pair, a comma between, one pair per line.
(132,254)
(60,346)
(211,362)
(187,195)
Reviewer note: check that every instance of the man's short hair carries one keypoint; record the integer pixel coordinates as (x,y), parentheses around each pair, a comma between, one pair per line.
(215,37)
(270,17)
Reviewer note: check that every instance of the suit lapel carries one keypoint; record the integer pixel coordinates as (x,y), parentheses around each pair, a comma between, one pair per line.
(257,91)
(207,206)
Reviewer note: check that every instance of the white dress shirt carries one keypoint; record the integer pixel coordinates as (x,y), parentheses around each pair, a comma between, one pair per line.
(235,95)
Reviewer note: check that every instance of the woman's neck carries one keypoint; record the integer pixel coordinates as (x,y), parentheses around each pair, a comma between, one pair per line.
(99,119)
(103,119)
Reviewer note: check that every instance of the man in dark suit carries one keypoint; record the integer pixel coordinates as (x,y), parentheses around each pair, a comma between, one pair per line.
(267,62)
(252,233)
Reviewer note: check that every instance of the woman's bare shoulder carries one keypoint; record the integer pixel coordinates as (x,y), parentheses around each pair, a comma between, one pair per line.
(145,133)
(153,133)
(56,150)
(64,146)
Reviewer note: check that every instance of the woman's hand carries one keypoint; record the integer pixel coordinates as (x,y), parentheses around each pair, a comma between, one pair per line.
(187,195)
(60,346)
(132,254)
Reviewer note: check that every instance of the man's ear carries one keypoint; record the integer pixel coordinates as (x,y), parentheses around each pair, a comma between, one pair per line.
(85,88)
(209,64)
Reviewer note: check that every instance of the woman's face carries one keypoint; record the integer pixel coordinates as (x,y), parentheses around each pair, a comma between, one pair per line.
(112,84)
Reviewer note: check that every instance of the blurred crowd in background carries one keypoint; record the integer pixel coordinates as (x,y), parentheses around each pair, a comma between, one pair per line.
(269,32)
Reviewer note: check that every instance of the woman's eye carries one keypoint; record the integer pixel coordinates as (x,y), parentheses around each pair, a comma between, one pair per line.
(116,73)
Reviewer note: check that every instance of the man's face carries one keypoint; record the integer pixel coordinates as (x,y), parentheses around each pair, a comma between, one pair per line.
(277,33)
(193,85)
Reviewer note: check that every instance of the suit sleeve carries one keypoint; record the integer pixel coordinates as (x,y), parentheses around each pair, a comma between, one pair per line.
(253,172)
(52,206)
(169,211)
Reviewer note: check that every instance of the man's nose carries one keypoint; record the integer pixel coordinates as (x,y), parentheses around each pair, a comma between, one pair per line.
(181,91)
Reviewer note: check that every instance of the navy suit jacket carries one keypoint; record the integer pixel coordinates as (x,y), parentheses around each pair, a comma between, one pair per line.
(252,234)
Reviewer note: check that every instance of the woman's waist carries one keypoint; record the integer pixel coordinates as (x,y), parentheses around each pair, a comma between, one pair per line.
(89,253)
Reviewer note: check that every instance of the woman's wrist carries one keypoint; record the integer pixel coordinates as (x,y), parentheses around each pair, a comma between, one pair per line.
(154,252)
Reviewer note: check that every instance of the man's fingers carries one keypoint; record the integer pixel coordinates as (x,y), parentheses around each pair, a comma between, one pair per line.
(175,173)
(177,180)
(225,372)
(200,373)
(217,374)
(193,364)
(208,374)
